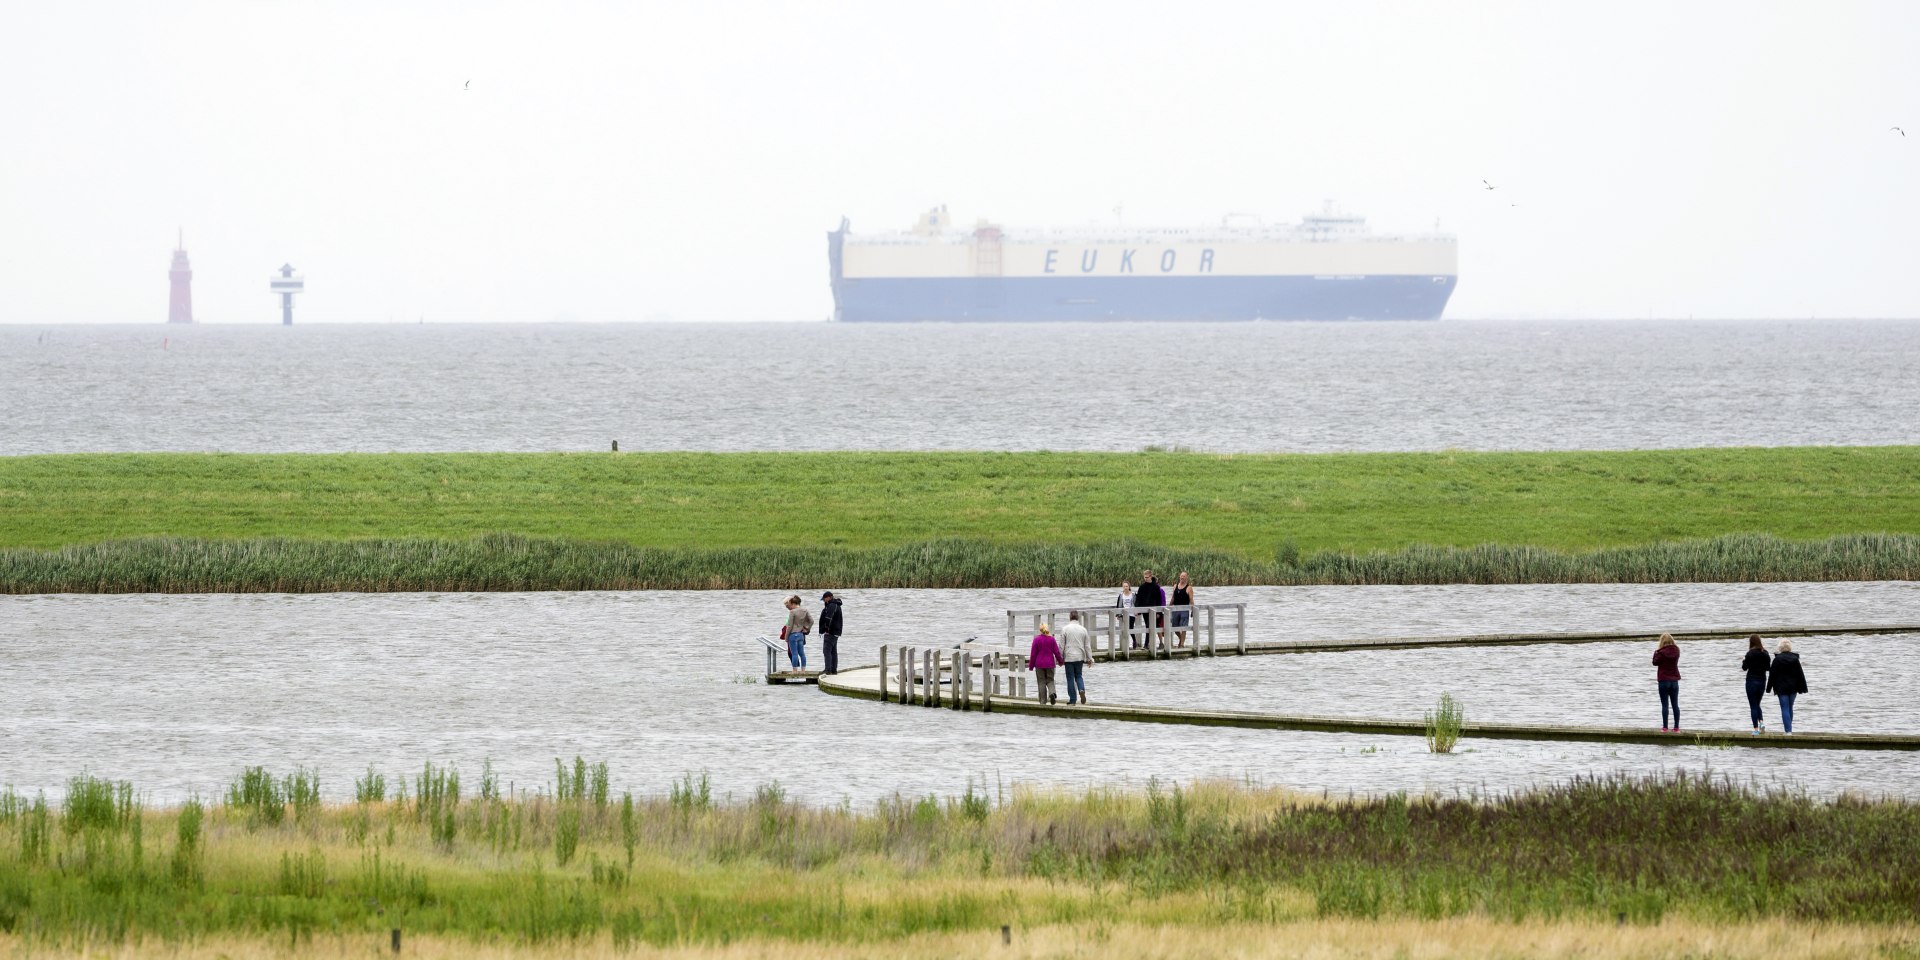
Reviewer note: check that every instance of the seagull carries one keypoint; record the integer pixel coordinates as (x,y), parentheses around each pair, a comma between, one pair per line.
(1489,185)
(1898,131)
(469,85)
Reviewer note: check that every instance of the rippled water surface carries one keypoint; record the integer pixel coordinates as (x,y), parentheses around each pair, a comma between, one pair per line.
(1228,387)
(178,692)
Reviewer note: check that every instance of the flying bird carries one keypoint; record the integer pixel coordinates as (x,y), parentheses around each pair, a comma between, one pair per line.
(1489,185)
(1898,131)
(469,85)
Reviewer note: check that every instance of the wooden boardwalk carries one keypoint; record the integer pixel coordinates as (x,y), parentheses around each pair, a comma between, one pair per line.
(992,678)
(776,655)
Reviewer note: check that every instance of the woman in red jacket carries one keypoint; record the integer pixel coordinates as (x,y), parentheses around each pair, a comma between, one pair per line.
(1666,661)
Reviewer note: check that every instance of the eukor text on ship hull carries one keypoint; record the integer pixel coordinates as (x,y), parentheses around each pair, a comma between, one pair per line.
(1328,266)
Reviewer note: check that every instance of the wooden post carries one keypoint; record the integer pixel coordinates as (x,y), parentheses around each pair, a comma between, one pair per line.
(1240,625)
(1011,618)
(906,675)
(396,939)
(967,662)
(883,673)
(939,696)
(962,679)
(986,683)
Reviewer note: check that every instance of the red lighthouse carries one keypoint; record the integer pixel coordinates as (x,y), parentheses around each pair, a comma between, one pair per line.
(180,304)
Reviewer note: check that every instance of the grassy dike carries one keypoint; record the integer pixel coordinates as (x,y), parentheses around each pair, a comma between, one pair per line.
(191,522)
(577,865)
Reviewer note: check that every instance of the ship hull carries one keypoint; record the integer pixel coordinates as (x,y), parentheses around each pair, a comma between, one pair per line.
(1203,298)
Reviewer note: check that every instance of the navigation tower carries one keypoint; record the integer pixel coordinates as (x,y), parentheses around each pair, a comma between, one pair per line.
(286,285)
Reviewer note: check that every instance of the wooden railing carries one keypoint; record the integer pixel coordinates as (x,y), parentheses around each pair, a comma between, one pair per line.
(957,677)
(1121,633)
(974,673)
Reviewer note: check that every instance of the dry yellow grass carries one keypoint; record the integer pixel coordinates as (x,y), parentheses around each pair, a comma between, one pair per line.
(1302,940)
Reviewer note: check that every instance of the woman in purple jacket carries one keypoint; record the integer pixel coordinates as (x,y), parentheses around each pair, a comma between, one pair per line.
(1044,657)
(1666,662)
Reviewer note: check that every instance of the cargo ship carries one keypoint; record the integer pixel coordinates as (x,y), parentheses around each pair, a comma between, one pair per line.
(1328,266)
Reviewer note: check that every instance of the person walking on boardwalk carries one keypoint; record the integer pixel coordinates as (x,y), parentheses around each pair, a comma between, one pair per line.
(799,624)
(1182,597)
(1043,657)
(1786,681)
(1076,652)
(1666,661)
(1125,601)
(1149,594)
(830,630)
(1756,663)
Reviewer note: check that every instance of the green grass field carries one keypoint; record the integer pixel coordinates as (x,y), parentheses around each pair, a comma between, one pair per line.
(193,522)
(1246,505)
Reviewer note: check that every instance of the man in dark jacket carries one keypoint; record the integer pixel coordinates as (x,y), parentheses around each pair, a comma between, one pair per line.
(1149,594)
(830,629)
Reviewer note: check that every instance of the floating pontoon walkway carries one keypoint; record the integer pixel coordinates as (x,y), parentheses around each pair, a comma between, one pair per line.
(993,678)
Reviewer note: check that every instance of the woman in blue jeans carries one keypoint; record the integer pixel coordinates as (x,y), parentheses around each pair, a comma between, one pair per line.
(1756,663)
(1666,662)
(799,624)
(1787,681)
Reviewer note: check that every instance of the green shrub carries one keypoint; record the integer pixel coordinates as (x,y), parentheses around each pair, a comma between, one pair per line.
(1444,724)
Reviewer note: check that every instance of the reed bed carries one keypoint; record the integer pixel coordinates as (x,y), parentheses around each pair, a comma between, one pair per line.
(575,864)
(506,562)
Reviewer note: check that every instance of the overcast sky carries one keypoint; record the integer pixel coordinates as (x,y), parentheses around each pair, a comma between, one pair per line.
(627,162)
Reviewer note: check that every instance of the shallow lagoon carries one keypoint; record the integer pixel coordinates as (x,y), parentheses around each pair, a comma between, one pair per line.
(176,693)
(1298,387)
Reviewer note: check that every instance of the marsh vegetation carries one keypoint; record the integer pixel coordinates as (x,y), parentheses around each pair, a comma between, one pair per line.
(576,862)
